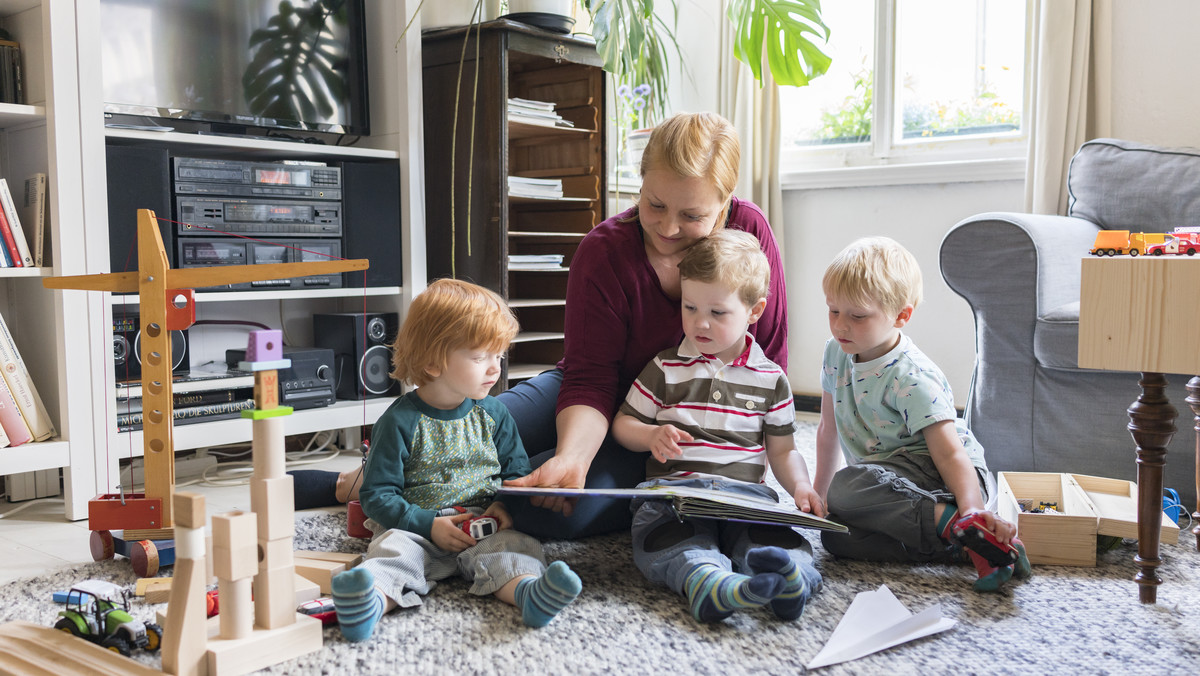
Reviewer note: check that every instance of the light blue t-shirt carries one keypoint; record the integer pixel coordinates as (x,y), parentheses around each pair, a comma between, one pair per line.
(882,405)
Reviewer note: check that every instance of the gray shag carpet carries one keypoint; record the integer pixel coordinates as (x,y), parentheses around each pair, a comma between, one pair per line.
(1065,620)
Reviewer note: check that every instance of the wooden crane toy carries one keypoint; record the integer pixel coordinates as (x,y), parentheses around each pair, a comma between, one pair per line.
(167,303)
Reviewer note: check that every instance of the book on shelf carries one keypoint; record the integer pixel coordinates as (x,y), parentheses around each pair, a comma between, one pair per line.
(699,503)
(185,399)
(535,261)
(16,375)
(9,252)
(198,379)
(11,85)
(33,215)
(522,186)
(131,422)
(14,223)
(12,424)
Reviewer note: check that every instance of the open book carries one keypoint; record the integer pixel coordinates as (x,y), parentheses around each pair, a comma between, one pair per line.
(699,503)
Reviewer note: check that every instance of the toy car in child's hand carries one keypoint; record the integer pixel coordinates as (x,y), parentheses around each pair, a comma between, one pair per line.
(972,533)
(480,527)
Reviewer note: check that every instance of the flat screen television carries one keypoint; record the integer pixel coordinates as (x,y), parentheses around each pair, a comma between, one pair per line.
(236,66)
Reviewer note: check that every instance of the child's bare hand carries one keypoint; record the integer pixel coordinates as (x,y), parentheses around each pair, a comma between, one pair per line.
(664,442)
(1004,531)
(497,511)
(807,500)
(447,535)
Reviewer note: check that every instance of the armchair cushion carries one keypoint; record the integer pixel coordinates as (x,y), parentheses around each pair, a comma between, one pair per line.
(1121,185)
(1056,337)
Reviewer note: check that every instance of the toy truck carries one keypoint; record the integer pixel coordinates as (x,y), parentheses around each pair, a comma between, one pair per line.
(1121,242)
(1178,243)
(99,612)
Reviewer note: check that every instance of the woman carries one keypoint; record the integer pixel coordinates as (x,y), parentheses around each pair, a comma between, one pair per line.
(622,309)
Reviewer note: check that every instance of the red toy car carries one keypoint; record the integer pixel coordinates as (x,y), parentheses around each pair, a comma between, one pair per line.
(321,608)
(480,527)
(972,533)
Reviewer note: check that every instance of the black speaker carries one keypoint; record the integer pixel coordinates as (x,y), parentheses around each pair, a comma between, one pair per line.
(362,354)
(371,228)
(138,178)
(127,336)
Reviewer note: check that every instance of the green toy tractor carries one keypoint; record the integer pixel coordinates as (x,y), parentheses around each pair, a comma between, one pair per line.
(99,612)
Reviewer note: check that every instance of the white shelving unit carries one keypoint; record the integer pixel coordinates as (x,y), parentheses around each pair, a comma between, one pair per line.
(66,336)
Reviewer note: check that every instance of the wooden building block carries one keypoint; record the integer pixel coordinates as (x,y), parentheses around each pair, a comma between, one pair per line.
(184,636)
(273,501)
(27,648)
(265,345)
(274,597)
(351,560)
(232,528)
(158,594)
(264,647)
(320,572)
(267,449)
(266,390)
(237,608)
(146,584)
(275,553)
(189,510)
(306,589)
(235,545)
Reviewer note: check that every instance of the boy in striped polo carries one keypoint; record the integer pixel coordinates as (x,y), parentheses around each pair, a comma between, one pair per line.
(438,455)
(712,412)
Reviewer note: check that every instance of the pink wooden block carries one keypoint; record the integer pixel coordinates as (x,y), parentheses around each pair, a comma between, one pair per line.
(265,345)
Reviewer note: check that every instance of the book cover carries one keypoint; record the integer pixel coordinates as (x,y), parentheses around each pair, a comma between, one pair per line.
(12,425)
(29,403)
(203,398)
(8,245)
(33,215)
(700,503)
(128,422)
(198,379)
(14,223)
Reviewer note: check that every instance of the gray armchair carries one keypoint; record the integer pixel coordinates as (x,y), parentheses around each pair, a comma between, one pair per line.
(1030,405)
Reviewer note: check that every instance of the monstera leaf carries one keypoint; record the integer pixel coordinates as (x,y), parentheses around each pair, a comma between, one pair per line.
(784,27)
(298,71)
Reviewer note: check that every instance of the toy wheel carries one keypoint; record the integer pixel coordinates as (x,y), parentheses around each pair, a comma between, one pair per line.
(1134,252)
(1191,252)
(144,557)
(65,624)
(153,637)
(1158,252)
(102,545)
(117,644)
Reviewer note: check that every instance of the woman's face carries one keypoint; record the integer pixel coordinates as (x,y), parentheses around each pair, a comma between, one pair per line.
(677,212)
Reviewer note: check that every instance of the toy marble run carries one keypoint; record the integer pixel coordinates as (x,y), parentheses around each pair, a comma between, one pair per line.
(166,296)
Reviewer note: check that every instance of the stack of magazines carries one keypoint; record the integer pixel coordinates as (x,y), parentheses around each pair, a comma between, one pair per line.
(535,261)
(544,188)
(200,395)
(535,112)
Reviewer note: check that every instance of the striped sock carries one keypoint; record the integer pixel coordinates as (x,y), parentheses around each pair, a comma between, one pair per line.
(541,598)
(789,605)
(358,603)
(714,593)
(1021,569)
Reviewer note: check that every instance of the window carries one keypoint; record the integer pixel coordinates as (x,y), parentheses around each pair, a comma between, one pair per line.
(913,82)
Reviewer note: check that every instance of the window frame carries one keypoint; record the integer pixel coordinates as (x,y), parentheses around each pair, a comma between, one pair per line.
(885,160)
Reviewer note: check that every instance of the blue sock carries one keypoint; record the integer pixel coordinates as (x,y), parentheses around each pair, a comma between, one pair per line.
(358,603)
(789,605)
(541,598)
(714,593)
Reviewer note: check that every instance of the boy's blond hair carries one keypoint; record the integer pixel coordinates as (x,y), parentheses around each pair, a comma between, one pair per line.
(447,316)
(733,259)
(874,270)
(697,145)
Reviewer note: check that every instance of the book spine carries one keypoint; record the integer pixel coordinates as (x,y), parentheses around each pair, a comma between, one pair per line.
(10,251)
(12,424)
(129,419)
(14,223)
(34,208)
(181,385)
(17,376)
(134,404)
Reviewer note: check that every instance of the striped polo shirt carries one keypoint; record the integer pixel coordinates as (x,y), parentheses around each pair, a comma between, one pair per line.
(728,409)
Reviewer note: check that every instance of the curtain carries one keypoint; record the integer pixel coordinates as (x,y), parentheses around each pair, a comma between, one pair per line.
(1072,100)
(754,113)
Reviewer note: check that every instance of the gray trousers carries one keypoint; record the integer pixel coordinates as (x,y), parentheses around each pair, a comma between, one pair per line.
(666,549)
(407,566)
(888,507)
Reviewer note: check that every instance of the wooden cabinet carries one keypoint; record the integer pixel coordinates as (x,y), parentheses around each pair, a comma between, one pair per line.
(473,223)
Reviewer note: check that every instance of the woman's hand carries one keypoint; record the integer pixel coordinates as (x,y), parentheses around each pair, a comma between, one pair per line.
(557,472)
(497,511)
(447,535)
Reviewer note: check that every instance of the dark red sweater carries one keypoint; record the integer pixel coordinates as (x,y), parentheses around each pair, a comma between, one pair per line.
(618,317)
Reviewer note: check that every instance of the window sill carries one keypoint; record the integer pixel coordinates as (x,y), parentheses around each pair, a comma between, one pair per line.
(963,171)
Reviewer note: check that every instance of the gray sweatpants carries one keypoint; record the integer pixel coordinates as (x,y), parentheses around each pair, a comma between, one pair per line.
(888,507)
(407,566)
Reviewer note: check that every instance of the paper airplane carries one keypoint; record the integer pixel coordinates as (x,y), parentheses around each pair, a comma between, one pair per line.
(876,620)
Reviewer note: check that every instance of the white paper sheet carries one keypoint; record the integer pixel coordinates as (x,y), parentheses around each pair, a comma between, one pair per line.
(876,620)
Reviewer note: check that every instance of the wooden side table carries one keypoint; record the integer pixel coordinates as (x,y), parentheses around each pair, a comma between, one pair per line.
(1143,314)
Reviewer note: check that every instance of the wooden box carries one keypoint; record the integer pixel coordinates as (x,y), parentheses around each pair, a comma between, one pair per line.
(1089,506)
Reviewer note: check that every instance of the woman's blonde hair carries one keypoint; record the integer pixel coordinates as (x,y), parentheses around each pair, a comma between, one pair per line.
(874,270)
(697,145)
(449,315)
(734,260)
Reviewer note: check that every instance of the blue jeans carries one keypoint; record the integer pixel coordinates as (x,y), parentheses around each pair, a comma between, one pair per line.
(666,549)
(532,403)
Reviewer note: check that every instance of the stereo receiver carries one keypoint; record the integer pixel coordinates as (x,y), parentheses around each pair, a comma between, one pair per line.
(271,218)
(307,383)
(202,252)
(196,176)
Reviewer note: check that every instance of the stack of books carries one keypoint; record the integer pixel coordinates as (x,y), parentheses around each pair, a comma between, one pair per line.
(535,261)
(543,188)
(201,395)
(535,112)
(11,86)
(23,416)
(14,247)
